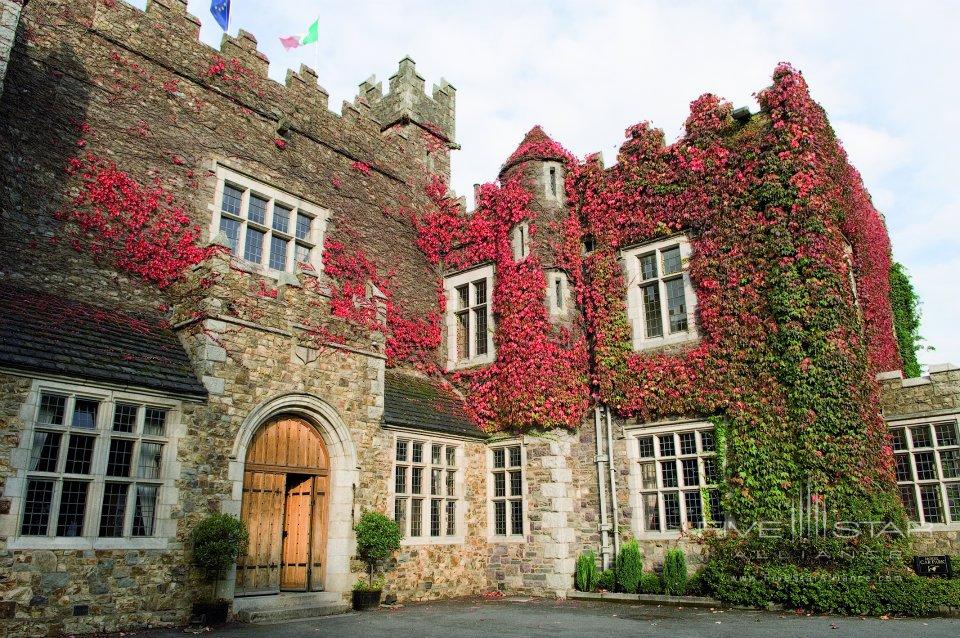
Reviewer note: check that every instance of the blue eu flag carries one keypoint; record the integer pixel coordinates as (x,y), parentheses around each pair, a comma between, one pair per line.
(221,12)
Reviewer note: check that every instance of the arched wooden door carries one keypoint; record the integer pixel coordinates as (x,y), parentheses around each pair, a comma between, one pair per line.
(285,485)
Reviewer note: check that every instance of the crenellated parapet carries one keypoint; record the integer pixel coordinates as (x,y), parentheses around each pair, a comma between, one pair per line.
(167,34)
(408,102)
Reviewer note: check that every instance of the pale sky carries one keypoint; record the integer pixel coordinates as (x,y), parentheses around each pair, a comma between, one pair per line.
(885,72)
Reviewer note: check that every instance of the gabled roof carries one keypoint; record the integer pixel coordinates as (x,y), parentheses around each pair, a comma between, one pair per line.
(47,333)
(425,404)
(536,145)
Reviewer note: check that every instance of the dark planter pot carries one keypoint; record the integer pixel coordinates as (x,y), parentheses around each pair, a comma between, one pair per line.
(365,600)
(212,613)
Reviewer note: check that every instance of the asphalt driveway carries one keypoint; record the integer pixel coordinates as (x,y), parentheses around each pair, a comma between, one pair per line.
(523,617)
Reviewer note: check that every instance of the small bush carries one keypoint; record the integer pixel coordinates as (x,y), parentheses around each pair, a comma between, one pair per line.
(218,540)
(650,583)
(377,538)
(629,568)
(695,585)
(607,580)
(675,573)
(585,577)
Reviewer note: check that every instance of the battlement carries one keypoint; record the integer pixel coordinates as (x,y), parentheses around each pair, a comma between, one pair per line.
(166,33)
(407,101)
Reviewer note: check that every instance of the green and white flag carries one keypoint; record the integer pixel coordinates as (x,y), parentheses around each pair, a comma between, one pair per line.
(294,41)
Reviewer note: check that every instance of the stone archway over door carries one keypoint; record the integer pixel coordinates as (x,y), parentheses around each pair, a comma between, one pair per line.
(284,505)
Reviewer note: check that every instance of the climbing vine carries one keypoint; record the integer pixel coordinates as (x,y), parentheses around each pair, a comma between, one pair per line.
(906,318)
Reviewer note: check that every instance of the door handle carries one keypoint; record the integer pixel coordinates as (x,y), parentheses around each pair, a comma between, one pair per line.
(285,532)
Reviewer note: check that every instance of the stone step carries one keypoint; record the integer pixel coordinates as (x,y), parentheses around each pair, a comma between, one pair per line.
(280,614)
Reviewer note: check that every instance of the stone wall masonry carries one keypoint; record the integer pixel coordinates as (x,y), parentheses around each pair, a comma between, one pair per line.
(544,563)
(430,570)
(937,391)
(9,19)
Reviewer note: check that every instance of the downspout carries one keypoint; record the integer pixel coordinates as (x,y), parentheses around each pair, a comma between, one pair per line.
(602,488)
(613,485)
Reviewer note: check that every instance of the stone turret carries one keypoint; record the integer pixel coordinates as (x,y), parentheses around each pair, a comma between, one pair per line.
(407,107)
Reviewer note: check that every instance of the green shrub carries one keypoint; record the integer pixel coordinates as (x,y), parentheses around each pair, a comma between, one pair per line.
(695,585)
(675,573)
(218,540)
(629,568)
(650,583)
(377,538)
(607,580)
(585,577)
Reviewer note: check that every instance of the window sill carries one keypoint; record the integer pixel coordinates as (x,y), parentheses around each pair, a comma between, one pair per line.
(427,542)
(475,362)
(503,540)
(687,338)
(86,543)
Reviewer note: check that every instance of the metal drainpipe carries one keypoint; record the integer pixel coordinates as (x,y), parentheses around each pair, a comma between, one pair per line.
(602,488)
(613,485)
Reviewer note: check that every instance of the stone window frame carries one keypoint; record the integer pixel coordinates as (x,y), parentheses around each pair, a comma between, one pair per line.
(560,195)
(520,241)
(940,481)
(557,281)
(226,174)
(164,531)
(635,479)
(509,537)
(451,284)
(630,258)
(459,496)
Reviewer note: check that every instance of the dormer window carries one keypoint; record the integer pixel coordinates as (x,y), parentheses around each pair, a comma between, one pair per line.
(520,240)
(469,318)
(660,298)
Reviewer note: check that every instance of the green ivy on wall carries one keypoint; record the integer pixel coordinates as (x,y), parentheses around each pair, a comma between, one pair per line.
(906,318)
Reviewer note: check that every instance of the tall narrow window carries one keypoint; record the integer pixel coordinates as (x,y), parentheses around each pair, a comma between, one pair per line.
(431,491)
(266,226)
(661,299)
(469,317)
(520,241)
(553,181)
(507,492)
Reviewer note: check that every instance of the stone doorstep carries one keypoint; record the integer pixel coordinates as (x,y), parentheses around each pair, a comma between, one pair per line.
(288,606)
(646,599)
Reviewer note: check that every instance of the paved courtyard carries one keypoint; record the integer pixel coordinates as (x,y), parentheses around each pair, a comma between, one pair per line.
(523,617)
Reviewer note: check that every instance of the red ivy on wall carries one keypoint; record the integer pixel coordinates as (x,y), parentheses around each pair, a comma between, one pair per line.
(137,227)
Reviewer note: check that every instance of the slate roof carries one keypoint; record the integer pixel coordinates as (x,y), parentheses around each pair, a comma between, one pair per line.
(424,404)
(43,332)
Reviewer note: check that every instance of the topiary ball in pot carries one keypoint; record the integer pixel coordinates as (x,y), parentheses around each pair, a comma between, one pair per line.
(217,541)
(378,537)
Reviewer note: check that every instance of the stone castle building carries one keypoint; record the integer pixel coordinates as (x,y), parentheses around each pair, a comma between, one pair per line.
(140,393)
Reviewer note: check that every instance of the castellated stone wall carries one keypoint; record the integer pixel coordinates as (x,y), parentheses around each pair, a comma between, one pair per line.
(930,398)
(149,96)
